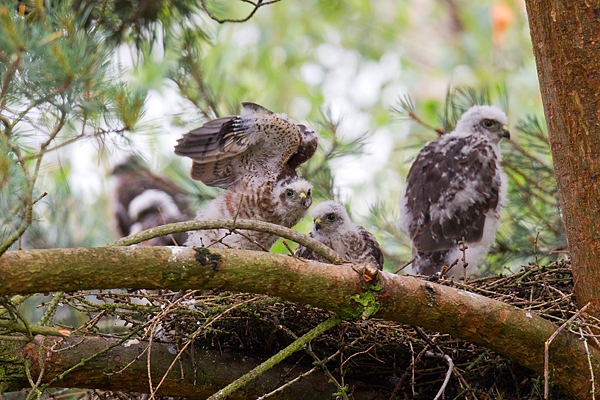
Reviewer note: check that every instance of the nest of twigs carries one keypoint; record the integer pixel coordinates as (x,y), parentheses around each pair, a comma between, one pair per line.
(393,360)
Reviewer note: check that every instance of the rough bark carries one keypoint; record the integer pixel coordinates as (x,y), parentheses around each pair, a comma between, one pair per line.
(514,333)
(122,369)
(566,44)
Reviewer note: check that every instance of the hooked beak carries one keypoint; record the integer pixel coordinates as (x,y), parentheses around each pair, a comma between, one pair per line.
(505,133)
(302,197)
(317,223)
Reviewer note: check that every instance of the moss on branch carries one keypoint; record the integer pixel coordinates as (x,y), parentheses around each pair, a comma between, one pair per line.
(515,333)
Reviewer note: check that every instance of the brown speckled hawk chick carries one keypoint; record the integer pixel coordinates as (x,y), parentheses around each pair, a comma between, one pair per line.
(282,201)
(334,228)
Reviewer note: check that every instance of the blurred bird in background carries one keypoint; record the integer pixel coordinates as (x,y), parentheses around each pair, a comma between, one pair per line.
(145,200)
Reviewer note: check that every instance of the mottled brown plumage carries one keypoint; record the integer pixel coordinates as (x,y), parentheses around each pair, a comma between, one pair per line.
(334,228)
(455,188)
(307,149)
(257,144)
(281,201)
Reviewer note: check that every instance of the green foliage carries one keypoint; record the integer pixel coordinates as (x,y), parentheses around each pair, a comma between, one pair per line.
(58,86)
(129,105)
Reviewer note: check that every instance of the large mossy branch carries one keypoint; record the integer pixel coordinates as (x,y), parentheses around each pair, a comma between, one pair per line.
(512,332)
(122,369)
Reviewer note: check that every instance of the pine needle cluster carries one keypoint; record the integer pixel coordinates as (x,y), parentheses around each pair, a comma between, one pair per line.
(57,87)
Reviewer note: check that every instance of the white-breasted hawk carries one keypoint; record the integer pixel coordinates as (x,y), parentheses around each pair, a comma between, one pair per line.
(455,189)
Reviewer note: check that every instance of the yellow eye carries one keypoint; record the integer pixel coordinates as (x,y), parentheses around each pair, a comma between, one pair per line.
(488,123)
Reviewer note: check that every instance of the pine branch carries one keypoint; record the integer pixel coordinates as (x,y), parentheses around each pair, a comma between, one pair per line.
(406,109)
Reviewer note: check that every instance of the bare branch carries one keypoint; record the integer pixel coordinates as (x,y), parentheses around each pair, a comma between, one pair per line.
(547,346)
(232,225)
(448,373)
(257,5)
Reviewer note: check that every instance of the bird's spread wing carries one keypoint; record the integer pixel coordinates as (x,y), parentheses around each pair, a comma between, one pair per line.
(214,147)
(258,143)
(450,188)
(218,139)
(307,149)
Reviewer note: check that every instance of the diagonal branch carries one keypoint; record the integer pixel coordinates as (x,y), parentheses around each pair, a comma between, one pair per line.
(276,359)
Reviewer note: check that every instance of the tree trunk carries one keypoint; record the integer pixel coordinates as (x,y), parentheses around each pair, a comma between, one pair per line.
(512,332)
(566,44)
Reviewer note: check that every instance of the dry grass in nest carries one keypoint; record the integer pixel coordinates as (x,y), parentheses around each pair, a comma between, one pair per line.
(394,360)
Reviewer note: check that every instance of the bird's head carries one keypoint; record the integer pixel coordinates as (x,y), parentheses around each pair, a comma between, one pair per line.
(489,121)
(329,217)
(297,194)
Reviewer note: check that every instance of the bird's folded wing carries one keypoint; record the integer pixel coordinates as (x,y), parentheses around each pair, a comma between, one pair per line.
(374,251)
